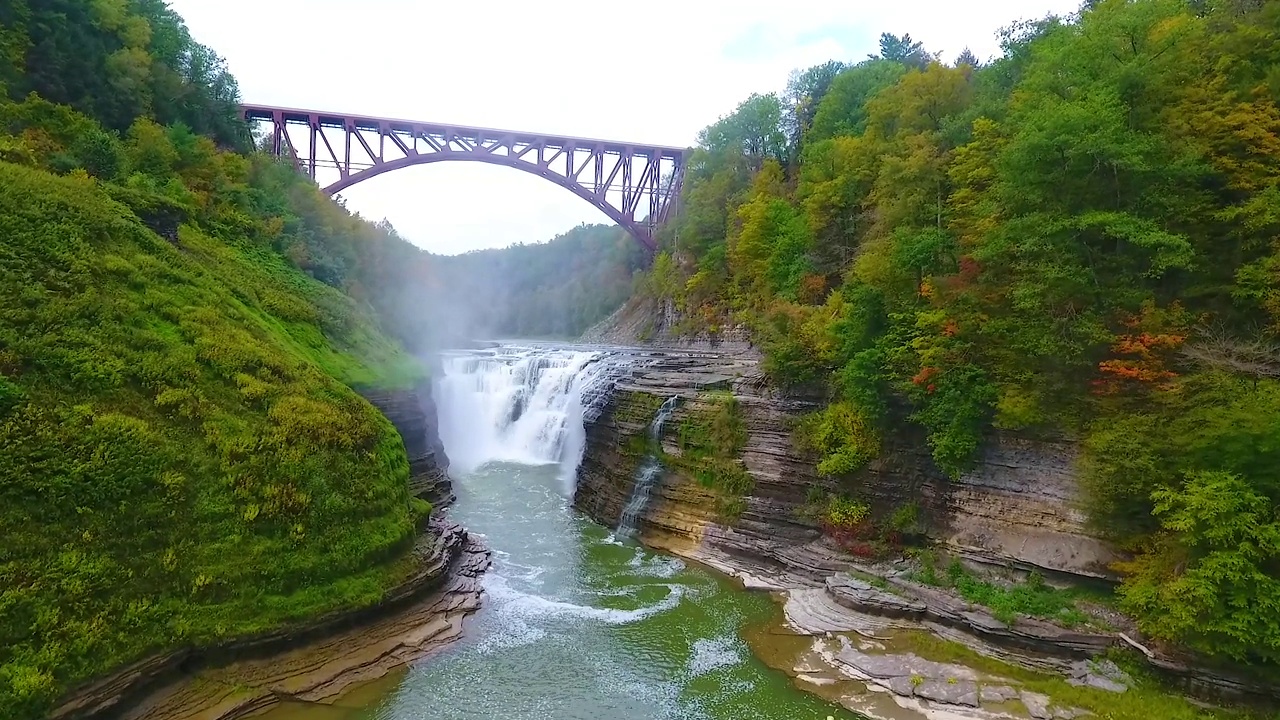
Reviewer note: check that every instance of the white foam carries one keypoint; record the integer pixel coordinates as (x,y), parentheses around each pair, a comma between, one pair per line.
(514,633)
(659,566)
(516,404)
(508,601)
(711,654)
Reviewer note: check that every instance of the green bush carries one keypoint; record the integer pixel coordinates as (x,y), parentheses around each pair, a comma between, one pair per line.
(845,513)
(843,437)
(1210,578)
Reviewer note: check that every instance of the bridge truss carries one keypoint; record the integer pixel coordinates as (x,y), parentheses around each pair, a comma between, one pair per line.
(637,186)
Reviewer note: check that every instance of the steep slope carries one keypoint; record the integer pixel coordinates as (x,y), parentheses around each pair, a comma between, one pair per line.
(183,457)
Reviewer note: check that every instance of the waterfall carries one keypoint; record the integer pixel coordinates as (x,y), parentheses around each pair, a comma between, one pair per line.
(648,473)
(520,404)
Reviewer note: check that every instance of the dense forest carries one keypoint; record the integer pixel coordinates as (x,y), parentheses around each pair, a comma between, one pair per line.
(1078,238)
(182,323)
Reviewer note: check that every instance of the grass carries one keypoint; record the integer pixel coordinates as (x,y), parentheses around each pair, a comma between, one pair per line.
(183,457)
(1030,597)
(1147,699)
(636,408)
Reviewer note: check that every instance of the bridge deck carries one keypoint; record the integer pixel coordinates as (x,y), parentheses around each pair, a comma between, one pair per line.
(373,123)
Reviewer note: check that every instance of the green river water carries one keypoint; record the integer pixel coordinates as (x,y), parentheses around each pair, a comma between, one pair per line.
(579,625)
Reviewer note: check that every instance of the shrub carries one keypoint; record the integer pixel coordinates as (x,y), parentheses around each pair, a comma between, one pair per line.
(842,436)
(1209,579)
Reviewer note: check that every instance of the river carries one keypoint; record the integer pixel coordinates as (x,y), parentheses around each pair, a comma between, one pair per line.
(577,623)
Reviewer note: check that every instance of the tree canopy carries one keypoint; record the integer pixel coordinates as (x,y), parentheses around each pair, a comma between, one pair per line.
(1076,238)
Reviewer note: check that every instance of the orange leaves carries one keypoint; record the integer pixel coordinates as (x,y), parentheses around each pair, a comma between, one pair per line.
(813,289)
(927,289)
(1144,363)
(1143,353)
(924,377)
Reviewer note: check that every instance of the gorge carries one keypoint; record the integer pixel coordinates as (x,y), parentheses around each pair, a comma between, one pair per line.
(577,622)
(940,383)
(563,453)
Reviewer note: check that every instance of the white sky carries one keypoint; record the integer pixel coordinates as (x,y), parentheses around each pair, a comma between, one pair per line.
(652,71)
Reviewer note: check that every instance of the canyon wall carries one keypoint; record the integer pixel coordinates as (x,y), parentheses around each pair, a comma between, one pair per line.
(1017,508)
(414,415)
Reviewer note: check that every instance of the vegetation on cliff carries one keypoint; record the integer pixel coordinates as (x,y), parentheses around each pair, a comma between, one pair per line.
(711,437)
(183,456)
(1076,237)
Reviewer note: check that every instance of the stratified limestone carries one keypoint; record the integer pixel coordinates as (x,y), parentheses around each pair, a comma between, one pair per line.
(318,661)
(1018,508)
(413,414)
(860,595)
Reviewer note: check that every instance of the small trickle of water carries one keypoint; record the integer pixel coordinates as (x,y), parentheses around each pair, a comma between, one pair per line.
(648,474)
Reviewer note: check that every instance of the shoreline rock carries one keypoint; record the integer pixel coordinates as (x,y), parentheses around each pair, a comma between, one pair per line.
(311,661)
(1017,510)
(421,613)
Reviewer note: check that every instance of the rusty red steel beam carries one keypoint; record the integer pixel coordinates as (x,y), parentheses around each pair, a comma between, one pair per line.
(655,172)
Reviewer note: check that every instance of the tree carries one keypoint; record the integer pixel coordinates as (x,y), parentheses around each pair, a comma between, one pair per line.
(903,50)
(754,129)
(805,91)
(842,110)
(966,58)
(1212,579)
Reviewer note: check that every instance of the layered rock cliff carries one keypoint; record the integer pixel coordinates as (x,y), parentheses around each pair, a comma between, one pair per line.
(414,415)
(1017,508)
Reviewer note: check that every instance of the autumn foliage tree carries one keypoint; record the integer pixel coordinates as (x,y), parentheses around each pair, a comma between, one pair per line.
(1078,237)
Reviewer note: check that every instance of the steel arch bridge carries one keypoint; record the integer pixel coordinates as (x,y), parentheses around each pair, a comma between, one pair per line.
(637,186)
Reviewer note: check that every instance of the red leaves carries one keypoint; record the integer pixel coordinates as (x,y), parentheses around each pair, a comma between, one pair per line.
(1145,362)
(924,376)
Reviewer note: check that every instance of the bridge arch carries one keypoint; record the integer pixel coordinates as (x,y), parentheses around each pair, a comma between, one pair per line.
(636,186)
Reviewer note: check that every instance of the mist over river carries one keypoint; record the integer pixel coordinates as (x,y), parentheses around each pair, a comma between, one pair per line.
(577,623)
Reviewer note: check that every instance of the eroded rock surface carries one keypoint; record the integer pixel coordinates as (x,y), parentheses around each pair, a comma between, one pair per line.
(413,414)
(1018,508)
(1100,674)
(860,595)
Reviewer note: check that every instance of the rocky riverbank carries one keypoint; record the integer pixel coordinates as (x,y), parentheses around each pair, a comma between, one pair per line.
(1017,511)
(317,660)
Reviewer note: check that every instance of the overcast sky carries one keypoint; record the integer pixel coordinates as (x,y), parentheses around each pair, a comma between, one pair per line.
(651,71)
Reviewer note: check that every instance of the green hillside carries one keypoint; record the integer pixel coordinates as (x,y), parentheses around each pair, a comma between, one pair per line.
(183,457)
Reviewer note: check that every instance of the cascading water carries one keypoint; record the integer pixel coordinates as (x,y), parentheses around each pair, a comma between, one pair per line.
(648,473)
(576,624)
(519,404)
